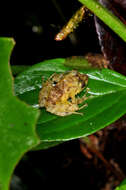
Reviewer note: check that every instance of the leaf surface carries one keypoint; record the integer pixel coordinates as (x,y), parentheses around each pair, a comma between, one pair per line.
(17,120)
(106,104)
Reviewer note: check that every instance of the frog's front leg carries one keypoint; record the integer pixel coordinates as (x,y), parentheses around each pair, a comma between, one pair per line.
(83,98)
(85,105)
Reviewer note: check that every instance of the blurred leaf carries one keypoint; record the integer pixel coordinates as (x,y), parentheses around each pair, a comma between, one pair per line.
(17,120)
(122,186)
(113,48)
(16,69)
(78,62)
(108,90)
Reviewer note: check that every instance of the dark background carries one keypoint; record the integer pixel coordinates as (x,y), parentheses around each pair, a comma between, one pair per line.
(34,25)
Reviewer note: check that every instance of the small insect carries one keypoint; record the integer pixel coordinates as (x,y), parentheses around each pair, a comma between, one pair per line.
(72,24)
(58,93)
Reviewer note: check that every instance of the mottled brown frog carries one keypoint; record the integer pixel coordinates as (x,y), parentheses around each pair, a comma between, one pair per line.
(58,93)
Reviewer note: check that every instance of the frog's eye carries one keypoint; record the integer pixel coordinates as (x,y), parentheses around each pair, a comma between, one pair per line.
(69,99)
(54,83)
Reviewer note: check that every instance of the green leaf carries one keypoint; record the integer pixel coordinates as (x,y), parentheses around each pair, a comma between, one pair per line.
(16,69)
(108,91)
(17,120)
(46,145)
(122,186)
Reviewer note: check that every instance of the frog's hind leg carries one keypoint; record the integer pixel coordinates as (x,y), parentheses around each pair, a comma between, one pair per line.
(77,113)
(68,113)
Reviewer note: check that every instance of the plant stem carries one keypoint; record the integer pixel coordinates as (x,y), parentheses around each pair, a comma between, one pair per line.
(107,17)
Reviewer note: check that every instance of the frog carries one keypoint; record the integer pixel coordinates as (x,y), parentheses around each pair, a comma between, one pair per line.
(59,93)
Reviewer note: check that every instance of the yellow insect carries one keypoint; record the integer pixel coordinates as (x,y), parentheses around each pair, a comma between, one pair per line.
(58,93)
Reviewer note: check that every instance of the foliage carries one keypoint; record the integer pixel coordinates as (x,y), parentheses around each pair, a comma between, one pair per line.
(17,127)
(17,120)
(106,95)
(122,186)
